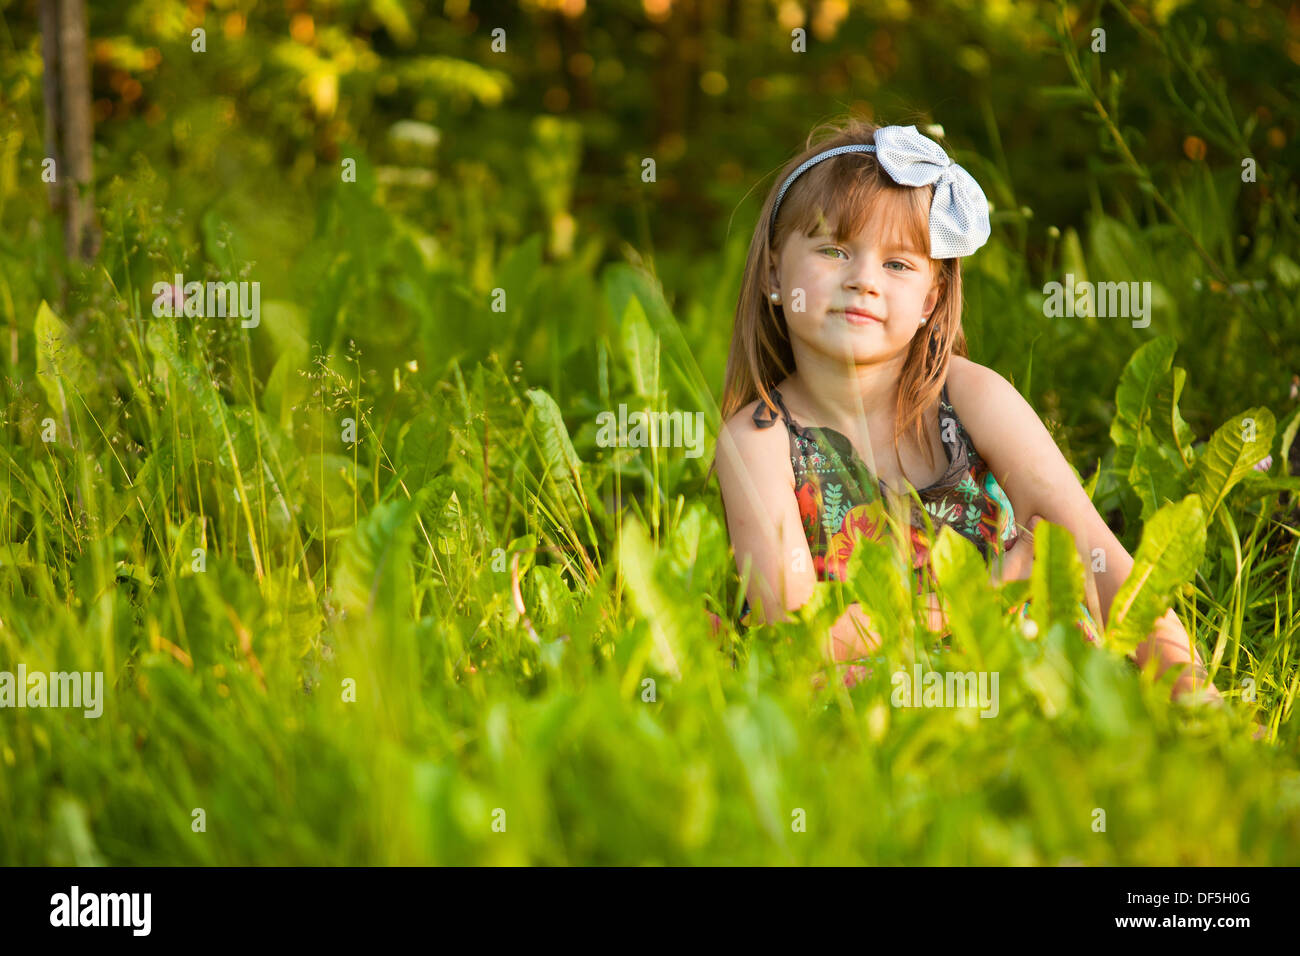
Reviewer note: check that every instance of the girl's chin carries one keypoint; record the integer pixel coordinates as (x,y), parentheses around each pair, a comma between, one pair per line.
(858,355)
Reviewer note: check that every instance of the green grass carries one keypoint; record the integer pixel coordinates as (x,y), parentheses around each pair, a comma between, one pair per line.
(473,636)
(379,564)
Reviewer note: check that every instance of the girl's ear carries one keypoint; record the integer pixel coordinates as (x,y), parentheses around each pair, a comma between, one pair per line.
(932,297)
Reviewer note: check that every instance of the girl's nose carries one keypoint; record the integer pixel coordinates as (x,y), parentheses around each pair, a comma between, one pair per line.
(865,281)
(867,275)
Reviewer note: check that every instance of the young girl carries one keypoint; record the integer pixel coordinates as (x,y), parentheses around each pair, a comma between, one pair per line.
(848,388)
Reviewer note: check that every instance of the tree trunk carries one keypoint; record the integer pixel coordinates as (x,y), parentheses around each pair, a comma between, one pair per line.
(50,87)
(68,127)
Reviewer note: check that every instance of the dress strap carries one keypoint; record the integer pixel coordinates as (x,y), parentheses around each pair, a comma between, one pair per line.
(952,431)
(764,417)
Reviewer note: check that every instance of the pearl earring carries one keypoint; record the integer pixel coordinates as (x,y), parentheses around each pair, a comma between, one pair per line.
(923,321)
(776,298)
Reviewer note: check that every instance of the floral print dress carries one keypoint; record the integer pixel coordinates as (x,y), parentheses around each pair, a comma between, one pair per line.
(841,501)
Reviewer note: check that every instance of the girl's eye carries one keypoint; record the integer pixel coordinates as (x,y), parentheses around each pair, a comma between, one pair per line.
(893,262)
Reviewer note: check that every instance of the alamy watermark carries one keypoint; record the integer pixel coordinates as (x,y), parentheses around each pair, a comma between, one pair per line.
(946,689)
(75,908)
(208,299)
(1124,300)
(56,689)
(652,429)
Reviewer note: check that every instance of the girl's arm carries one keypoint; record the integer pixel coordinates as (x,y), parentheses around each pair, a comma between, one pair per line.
(757,483)
(1039,481)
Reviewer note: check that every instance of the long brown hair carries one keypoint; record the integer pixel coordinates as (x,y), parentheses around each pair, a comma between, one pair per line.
(840,192)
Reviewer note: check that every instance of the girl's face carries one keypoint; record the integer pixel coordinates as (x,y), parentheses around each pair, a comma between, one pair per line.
(860,300)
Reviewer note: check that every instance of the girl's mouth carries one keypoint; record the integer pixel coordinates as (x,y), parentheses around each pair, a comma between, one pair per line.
(860,317)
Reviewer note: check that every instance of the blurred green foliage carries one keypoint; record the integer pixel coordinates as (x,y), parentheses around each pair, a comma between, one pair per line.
(497,585)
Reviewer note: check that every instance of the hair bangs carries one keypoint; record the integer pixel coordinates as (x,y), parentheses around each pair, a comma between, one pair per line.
(851,195)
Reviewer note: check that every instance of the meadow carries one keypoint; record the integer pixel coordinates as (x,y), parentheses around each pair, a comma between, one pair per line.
(367,585)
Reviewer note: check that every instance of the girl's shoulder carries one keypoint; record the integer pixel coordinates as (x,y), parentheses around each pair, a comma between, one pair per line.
(759,449)
(960,372)
(972,387)
(996,417)
(744,419)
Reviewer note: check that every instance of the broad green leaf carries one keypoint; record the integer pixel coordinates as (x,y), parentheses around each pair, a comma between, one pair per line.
(823,608)
(1288,436)
(762,771)
(622,283)
(879,582)
(552,601)
(526,547)
(446,522)
(1232,452)
(1166,420)
(558,449)
(1091,486)
(60,362)
(1206,202)
(698,544)
(422,448)
(326,492)
(640,348)
(286,325)
(558,457)
(1256,485)
(1057,576)
(1157,475)
(638,563)
(1136,397)
(1114,251)
(285,387)
(1173,543)
(517,275)
(161,341)
(972,605)
(374,574)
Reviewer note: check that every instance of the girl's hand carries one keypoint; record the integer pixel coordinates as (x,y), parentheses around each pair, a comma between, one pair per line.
(854,675)
(936,616)
(1169,641)
(1018,563)
(1204,690)
(857,673)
